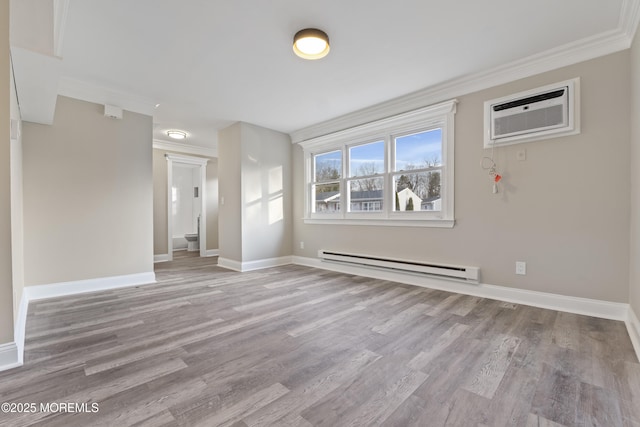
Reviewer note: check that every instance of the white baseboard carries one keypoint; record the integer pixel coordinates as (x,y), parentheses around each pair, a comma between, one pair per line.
(9,356)
(633,327)
(585,306)
(21,325)
(254,265)
(229,264)
(91,285)
(160,258)
(165,257)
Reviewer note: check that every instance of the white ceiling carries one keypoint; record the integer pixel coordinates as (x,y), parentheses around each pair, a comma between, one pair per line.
(209,63)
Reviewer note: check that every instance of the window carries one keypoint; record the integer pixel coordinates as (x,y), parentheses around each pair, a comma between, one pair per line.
(366,177)
(395,171)
(327,171)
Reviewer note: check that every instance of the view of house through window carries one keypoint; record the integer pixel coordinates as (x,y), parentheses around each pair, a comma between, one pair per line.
(366,177)
(397,171)
(417,171)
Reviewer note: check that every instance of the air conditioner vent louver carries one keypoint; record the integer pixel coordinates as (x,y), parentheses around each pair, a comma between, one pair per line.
(546,112)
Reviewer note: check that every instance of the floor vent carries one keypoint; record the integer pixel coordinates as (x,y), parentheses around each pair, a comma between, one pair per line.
(444,271)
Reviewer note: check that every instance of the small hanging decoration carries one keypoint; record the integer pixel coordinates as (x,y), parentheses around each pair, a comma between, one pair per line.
(496,178)
(488,164)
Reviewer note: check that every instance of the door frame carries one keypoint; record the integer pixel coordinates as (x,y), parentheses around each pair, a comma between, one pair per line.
(202,163)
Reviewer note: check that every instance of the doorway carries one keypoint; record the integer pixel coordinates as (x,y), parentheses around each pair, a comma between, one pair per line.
(186,201)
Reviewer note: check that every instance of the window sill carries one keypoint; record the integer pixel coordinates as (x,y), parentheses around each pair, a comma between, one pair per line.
(430,223)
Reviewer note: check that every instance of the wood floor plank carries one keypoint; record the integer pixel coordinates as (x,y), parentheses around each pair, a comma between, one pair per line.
(129,355)
(597,407)
(438,346)
(358,403)
(275,299)
(246,407)
(493,366)
(301,330)
(315,389)
(400,318)
(384,402)
(538,421)
(556,397)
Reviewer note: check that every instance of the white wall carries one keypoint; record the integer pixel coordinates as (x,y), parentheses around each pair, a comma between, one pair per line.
(565,210)
(255,183)
(266,194)
(17,230)
(6,292)
(634,269)
(88,195)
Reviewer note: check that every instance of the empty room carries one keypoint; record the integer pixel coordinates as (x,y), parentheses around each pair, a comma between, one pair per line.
(338,213)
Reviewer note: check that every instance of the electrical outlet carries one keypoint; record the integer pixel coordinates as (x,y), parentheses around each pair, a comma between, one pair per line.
(521,155)
(521,268)
(301,244)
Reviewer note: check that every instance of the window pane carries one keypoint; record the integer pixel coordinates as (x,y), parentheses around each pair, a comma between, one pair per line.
(419,150)
(366,194)
(326,198)
(366,159)
(417,191)
(328,166)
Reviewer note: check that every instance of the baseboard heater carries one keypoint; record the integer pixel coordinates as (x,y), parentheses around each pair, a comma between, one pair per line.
(444,271)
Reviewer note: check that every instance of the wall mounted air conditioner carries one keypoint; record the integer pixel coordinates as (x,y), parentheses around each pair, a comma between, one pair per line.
(546,112)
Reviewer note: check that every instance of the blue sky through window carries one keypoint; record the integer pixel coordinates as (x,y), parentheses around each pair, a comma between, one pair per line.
(327,163)
(419,150)
(367,159)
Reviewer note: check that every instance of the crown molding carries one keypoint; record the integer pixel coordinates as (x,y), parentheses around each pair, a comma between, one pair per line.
(184,148)
(561,56)
(84,91)
(629,18)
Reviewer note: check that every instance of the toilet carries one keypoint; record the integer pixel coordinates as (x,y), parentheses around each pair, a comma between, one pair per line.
(192,242)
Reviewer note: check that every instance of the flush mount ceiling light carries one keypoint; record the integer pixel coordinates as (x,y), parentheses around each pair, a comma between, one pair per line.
(311,43)
(176,134)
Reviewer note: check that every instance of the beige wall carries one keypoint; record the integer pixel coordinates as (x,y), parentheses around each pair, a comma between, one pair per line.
(212,204)
(229,190)
(88,192)
(634,270)
(6,296)
(160,226)
(565,210)
(255,182)
(266,194)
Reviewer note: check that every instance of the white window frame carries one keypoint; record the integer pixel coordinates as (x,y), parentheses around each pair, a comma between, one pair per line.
(420,120)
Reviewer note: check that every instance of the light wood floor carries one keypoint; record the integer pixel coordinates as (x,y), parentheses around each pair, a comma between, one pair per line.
(296,346)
